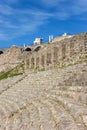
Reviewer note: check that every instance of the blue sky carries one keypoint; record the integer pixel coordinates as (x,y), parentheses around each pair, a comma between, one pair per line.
(23,20)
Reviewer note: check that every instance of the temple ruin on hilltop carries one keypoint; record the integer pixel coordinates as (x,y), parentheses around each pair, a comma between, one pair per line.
(38,41)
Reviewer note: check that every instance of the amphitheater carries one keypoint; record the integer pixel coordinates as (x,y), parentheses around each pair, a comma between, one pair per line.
(52,93)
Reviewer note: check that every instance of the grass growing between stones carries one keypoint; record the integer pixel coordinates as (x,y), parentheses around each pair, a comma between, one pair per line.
(18,70)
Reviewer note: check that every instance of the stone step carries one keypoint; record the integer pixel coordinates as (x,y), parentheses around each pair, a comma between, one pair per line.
(66,120)
(46,118)
(75,96)
(78,112)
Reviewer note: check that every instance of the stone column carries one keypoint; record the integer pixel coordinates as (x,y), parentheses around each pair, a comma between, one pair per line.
(45,61)
(34,56)
(37,62)
(49,58)
(52,55)
(56,55)
(72,49)
(26,62)
(63,51)
(32,62)
(42,61)
(67,50)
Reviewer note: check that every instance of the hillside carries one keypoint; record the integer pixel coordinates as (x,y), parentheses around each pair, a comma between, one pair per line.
(53,99)
(10,58)
(51,94)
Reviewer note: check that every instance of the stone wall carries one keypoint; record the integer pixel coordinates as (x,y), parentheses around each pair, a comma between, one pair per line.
(10,58)
(52,54)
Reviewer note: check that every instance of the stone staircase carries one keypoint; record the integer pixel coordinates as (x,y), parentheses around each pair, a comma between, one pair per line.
(55,99)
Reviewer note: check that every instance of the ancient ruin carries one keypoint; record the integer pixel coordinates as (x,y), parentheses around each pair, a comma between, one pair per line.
(52,93)
(56,52)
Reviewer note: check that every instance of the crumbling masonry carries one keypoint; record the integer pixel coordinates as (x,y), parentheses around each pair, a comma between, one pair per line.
(52,54)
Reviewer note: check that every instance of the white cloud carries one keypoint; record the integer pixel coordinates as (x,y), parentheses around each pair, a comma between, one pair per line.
(18,22)
(10,1)
(71,9)
(64,9)
(79,6)
(52,3)
(14,23)
(5,9)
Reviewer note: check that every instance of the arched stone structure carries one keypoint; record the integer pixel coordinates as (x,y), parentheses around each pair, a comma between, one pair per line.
(1,52)
(28,49)
(37,48)
(54,54)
